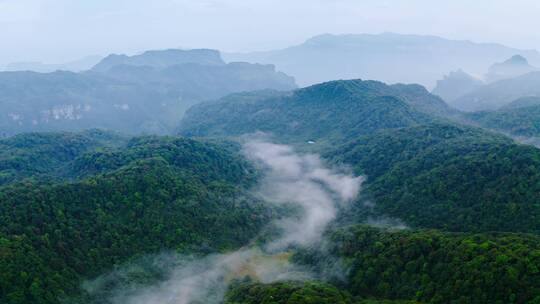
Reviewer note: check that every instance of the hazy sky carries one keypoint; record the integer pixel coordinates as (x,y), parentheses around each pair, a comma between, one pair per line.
(61,30)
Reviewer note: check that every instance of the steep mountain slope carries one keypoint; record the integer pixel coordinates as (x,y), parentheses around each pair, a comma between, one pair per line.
(447,177)
(113,199)
(437,267)
(333,111)
(520,118)
(150,195)
(387,57)
(455,85)
(196,82)
(127,97)
(522,121)
(422,170)
(500,93)
(410,266)
(510,68)
(49,155)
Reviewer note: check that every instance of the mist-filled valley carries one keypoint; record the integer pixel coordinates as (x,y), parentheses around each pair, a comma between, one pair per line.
(348,168)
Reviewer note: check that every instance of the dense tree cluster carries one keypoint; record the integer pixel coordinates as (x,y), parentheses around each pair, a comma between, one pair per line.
(74,205)
(441,267)
(47,155)
(287,293)
(311,292)
(330,112)
(150,195)
(519,121)
(449,177)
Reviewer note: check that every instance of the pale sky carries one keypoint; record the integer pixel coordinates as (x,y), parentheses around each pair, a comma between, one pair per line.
(62,30)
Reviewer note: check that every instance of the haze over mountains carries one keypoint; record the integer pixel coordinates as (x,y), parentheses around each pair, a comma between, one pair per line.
(500,85)
(147,93)
(388,57)
(177,176)
(79,65)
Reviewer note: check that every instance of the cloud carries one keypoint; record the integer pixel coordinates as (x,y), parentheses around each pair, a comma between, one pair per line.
(290,179)
(301,180)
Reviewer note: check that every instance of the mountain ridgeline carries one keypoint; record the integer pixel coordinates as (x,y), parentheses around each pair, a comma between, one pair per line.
(448,212)
(329,112)
(426,170)
(520,118)
(388,57)
(145,93)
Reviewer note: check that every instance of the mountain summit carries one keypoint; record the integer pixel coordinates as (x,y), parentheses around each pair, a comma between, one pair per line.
(515,66)
(162,59)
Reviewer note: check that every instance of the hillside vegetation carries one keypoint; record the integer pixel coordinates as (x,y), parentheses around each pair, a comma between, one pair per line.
(147,196)
(421,169)
(329,112)
(436,267)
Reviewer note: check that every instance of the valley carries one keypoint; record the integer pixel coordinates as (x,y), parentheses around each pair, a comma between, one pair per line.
(264,152)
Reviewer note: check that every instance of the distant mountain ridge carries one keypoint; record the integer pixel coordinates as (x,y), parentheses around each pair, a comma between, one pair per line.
(146,93)
(515,66)
(456,84)
(162,59)
(504,82)
(388,57)
(500,93)
(135,198)
(79,65)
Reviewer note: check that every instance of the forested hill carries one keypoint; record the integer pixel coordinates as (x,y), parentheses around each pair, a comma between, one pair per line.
(385,266)
(144,196)
(449,177)
(421,169)
(332,111)
(520,119)
(430,266)
(75,205)
(48,155)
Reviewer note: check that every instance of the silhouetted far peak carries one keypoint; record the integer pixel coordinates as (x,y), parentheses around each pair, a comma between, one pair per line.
(514,61)
(456,84)
(517,60)
(162,59)
(515,66)
(388,57)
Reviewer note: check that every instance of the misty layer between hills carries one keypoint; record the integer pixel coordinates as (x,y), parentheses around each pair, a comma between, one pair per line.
(290,179)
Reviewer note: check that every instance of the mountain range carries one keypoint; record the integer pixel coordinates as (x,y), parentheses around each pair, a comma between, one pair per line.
(388,57)
(345,191)
(146,93)
(79,65)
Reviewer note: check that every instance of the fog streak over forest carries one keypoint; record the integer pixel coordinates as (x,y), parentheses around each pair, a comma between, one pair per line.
(291,178)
